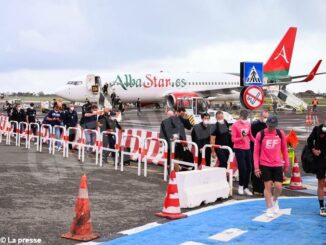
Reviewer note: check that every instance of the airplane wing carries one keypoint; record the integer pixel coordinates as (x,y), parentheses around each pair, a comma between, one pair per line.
(293,79)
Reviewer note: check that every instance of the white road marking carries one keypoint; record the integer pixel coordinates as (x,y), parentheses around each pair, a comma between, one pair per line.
(191,243)
(264,218)
(140,228)
(227,235)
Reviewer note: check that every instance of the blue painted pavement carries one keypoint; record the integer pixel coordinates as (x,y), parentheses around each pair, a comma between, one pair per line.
(303,226)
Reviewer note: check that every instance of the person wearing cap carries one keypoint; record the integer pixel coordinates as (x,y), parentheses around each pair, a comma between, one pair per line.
(241,137)
(269,153)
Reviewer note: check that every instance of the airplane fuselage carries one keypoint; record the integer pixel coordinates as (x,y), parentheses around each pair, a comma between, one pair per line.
(153,87)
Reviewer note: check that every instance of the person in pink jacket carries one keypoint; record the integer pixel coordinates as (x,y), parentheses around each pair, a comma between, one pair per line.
(241,136)
(269,153)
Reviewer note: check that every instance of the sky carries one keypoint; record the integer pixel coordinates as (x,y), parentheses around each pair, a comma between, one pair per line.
(44,43)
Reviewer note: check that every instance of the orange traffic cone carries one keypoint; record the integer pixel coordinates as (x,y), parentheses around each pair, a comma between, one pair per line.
(296,181)
(171,205)
(81,228)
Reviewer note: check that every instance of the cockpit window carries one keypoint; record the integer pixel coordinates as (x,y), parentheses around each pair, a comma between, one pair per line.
(74,82)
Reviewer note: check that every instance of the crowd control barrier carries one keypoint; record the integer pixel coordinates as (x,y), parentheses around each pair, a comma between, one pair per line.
(113,150)
(124,139)
(95,146)
(12,132)
(146,157)
(61,140)
(23,133)
(190,164)
(45,136)
(78,136)
(3,127)
(33,136)
(231,153)
(198,186)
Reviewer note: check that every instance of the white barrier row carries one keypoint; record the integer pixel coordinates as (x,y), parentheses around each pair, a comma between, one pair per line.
(143,150)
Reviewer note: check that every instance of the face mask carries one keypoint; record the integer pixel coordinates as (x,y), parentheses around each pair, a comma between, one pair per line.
(32,107)
(220,121)
(323,128)
(72,108)
(265,120)
(206,122)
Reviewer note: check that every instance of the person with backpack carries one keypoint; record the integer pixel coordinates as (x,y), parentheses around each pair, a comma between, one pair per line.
(317,145)
(257,126)
(269,153)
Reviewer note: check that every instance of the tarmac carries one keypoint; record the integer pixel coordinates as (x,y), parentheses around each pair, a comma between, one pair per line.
(38,191)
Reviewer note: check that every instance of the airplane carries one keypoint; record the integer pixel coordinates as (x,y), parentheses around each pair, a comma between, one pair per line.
(155,87)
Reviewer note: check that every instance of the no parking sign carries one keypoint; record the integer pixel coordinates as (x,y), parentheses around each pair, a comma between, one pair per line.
(252,97)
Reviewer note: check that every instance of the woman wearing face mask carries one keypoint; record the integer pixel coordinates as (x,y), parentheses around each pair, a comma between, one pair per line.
(241,137)
(221,136)
(317,144)
(257,126)
(200,134)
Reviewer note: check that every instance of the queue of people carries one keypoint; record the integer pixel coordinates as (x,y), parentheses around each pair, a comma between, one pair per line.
(260,147)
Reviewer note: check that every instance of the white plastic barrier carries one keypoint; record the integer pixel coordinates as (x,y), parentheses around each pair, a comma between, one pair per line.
(23,133)
(230,160)
(78,136)
(206,185)
(33,136)
(113,150)
(164,145)
(12,133)
(187,143)
(96,144)
(61,140)
(46,136)
(136,155)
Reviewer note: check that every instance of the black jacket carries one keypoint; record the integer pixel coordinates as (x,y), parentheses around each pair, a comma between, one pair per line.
(201,135)
(317,140)
(70,118)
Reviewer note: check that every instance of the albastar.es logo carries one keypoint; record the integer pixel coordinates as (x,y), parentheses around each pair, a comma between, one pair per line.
(128,81)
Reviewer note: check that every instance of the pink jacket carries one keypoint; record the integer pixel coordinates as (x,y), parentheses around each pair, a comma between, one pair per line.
(240,142)
(269,152)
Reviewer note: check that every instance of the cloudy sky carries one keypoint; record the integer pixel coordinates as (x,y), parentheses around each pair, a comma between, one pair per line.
(44,43)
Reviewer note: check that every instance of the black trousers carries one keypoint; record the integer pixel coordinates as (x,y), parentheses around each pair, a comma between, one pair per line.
(223,157)
(244,166)
(72,136)
(207,157)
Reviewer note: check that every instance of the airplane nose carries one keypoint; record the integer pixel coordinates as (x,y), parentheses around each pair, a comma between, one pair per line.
(62,92)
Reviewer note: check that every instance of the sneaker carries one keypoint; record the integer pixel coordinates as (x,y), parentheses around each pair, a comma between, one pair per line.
(276,208)
(247,192)
(269,213)
(240,190)
(323,211)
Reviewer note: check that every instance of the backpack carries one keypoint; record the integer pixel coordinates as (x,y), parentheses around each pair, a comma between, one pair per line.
(308,159)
